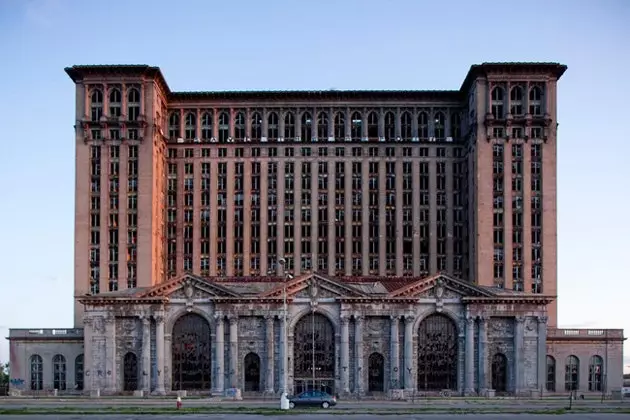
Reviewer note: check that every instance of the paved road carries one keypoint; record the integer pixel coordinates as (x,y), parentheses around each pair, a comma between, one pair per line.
(594,416)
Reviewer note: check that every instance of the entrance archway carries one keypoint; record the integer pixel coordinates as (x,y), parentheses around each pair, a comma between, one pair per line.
(499,372)
(130,372)
(437,353)
(314,354)
(376,373)
(191,353)
(252,372)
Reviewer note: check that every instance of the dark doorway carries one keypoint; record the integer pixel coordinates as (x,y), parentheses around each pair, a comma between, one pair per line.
(314,350)
(191,352)
(437,353)
(376,373)
(252,372)
(130,372)
(499,372)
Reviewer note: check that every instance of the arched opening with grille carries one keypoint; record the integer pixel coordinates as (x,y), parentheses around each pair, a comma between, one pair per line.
(130,372)
(251,366)
(376,373)
(499,372)
(437,353)
(191,353)
(314,354)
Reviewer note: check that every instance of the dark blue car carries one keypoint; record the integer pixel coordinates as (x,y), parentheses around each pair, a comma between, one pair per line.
(312,399)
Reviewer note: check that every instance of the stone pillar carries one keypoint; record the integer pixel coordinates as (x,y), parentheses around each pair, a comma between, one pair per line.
(345,354)
(484,373)
(234,351)
(284,355)
(220,355)
(146,354)
(518,354)
(88,358)
(358,352)
(269,382)
(394,352)
(110,360)
(470,356)
(542,354)
(409,321)
(159,346)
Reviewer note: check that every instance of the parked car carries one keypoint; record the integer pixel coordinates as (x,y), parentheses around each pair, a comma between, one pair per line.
(312,399)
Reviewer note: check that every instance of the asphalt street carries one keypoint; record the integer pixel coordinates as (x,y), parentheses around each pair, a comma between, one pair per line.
(594,416)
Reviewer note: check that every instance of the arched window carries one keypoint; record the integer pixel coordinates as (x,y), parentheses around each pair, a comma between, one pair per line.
(272,126)
(190,127)
(59,372)
(314,350)
(390,126)
(571,374)
(456,125)
(206,126)
(96,105)
(322,126)
(133,104)
(224,127)
(79,363)
(340,126)
(37,372)
(551,374)
(239,126)
(289,126)
(191,353)
(439,127)
(535,101)
(406,129)
(423,125)
(307,127)
(499,372)
(256,127)
(376,373)
(516,101)
(173,126)
(372,123)
(595,373)
(115,103)
(437,353)
(356,126)
(498,97)
(251,366)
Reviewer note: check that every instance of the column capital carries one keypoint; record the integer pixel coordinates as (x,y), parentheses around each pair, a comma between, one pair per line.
(519,319)
(409,319)
(483,318)
(270,318)
(344,319)
(470,321)
(359,318)
(159,317)
(394,317)
(146,320)
(233,319)
(88,320)
(542,320)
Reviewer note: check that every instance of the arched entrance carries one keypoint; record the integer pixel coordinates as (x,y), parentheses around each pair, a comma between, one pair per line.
(499,372)
(314,354)
(437,353)
(130,372)
(376,373)
(192,353)
(252,372)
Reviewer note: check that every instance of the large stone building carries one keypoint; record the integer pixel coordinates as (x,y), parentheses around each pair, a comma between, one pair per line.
(411,235)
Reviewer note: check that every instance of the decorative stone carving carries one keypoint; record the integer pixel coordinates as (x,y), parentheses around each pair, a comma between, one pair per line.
(344,319)
(189,293)
(542,319)
(501,327)
(99,325)
(128,325)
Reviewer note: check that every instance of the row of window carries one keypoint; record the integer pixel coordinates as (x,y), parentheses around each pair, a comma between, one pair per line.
(59,373)
(572,380)
(519,102)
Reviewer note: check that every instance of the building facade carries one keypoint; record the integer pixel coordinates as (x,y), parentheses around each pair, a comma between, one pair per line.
(417,231)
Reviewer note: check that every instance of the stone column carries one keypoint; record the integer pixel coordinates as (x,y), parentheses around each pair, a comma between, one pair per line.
(358,352)
(394,352)
(220,354)
(88,358)
(146,354)
(542,353)
(234,351)
(284,355)
(345,354)
(518,354)
(269,386)
(484,374)
(409,321)
(159,346)
(470,356)
(110,361)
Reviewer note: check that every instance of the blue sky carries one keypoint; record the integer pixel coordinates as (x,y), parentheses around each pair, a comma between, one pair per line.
(303,44)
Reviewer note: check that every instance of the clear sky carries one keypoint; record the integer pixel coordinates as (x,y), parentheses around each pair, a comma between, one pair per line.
(304,44)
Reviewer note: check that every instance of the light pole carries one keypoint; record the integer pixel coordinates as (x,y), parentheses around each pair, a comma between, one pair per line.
(284,401)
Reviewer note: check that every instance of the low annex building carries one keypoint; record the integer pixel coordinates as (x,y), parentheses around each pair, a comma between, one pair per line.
(380,337)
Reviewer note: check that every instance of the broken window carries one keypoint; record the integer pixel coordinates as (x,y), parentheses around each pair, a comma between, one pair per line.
(535,101)
(224,127)
(289,126)
(423,125)
(115,103)
(497,105)
(406,129)
(340,126)
(190,126)
(307,127)
(133,104)
(373,126)
(173,126)
(239,126)
(96,105)
(440,124)
(322,126)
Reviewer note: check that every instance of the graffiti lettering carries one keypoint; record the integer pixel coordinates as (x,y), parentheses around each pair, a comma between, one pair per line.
(17,382)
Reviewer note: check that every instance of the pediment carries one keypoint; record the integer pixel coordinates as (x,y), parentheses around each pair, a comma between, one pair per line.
(314,286)
(440,286)
(190,287)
